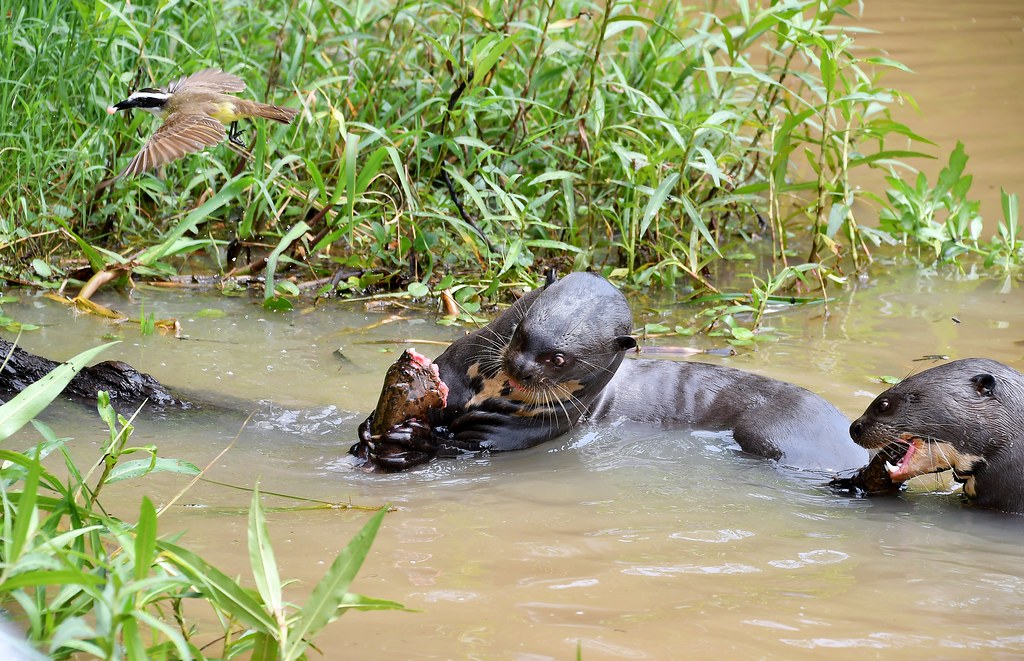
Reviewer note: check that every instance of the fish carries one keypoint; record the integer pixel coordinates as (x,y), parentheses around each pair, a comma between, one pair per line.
(412,387)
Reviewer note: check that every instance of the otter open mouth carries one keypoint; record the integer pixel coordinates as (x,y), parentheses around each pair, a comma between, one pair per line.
(917,456)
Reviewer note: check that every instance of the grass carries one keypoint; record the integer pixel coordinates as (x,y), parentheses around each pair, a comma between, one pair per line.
(486,141)
(78,580)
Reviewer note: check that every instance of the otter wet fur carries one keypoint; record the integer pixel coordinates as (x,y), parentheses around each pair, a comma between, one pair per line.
(966,416)
(525,378)
(556,357)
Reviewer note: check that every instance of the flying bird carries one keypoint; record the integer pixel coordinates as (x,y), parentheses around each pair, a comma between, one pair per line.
(195,109)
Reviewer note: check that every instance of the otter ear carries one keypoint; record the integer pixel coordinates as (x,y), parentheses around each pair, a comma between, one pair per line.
(625,342)
(985,384)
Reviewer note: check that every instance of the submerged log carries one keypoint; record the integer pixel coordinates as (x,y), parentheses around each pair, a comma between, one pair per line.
(126,385)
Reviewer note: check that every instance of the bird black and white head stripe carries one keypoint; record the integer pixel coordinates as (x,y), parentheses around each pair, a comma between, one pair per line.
(144,99)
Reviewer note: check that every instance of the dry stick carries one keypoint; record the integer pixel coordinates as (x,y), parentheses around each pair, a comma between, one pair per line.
(605,19)
(198,477)
(462,210)
(439,164)
(4,246)
(97,281)
(323,504)
(522,108)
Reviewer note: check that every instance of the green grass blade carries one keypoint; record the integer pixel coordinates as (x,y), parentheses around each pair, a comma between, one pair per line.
(145,539)
(329,594)
(261,557)
(294,233)
(27,519)
(658,200)
(223,592)
(200,214)
(134,648)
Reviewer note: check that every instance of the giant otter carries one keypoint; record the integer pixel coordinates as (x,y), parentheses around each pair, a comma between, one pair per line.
(556,357)
(966,416)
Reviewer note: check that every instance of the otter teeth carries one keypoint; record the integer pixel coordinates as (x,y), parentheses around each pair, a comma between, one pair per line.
(891,468)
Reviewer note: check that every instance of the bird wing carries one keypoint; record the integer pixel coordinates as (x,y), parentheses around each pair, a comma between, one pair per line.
(181,134)
(207,80)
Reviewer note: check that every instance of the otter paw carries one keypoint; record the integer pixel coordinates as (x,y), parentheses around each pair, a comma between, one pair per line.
(405,445)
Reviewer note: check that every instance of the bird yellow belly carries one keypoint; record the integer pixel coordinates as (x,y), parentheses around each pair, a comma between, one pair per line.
(225,112)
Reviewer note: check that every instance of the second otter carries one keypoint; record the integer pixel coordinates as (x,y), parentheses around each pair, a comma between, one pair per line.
(966,416)
(556,357)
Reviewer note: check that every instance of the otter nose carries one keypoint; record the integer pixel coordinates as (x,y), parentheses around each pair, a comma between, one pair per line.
(518,366)
(856,429)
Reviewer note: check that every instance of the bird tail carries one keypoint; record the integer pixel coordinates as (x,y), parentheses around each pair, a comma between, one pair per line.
(266,111)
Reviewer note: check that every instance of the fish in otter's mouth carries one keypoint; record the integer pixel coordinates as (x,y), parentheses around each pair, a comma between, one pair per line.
(412,387)
(915,456)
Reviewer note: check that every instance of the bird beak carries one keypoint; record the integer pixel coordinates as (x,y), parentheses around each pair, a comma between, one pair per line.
(120,105)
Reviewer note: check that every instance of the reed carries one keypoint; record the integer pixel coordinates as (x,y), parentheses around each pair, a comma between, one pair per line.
(486,140)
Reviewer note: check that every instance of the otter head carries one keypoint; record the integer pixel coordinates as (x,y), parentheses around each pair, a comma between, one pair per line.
(571,340)
(955,416)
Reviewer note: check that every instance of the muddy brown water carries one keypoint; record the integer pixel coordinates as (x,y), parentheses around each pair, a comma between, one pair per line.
(968,80)
(629,541)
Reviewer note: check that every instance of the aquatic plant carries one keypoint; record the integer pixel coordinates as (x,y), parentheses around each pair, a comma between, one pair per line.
(644,139)
(77,579)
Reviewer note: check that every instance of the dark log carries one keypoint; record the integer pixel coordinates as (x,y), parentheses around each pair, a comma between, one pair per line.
(126,385)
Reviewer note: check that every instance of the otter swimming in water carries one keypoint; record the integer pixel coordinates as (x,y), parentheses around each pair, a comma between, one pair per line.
(966,416)
(556,357)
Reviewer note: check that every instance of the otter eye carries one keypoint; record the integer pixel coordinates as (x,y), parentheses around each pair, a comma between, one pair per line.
(558,360)
(884,405)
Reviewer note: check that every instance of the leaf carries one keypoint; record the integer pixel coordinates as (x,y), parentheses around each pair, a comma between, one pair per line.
(887,155)
(278,304)
(359,602)
(886,62)
(49,577)
(512,256)
(351,156)
(330,593)
(836,217)
(550,244)
(140,467)
(828,68)
(483,65)
(41,268)
(1010,204)
(264,647)
(27,517)
(145,539)
(225,593)
(554,175)
(29,402)
(191,222)
(294,233)
(657,200)
(261,557)
(417,289)
(742,334)
(134,648)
